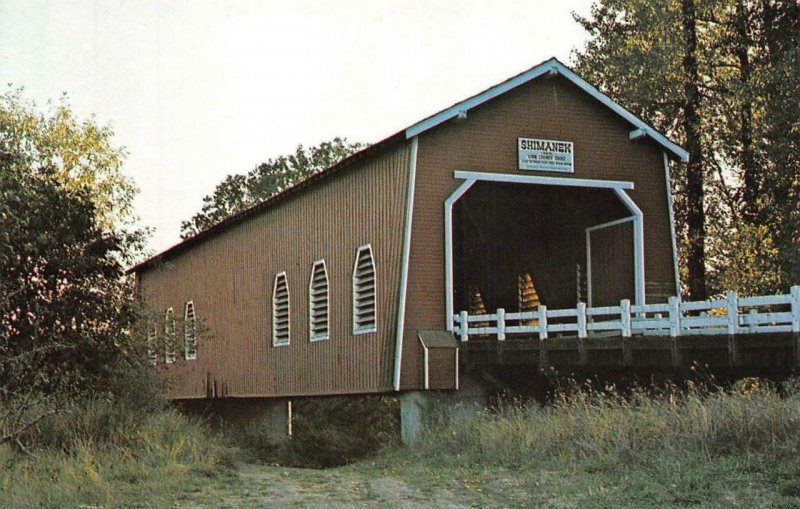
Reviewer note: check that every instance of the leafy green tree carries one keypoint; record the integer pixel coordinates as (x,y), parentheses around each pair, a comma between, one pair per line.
(66,310)
(238,192)
(79,154)
(720,77)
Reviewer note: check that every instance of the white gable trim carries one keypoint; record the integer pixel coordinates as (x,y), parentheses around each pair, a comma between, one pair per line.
(550,67)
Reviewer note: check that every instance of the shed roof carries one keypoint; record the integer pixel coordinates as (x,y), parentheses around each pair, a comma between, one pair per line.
(548,67)
(437,339)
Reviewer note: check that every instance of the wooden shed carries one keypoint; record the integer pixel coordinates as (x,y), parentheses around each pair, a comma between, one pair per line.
(538,190)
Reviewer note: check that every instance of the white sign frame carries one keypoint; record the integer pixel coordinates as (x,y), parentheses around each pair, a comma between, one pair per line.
(537,154)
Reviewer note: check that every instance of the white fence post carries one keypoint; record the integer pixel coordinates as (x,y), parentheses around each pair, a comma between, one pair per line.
(795,293)
(674,317)
(464,327)
(542,322)
(625,317)
(753,325)
(581,319)
(501,324)
(733,312)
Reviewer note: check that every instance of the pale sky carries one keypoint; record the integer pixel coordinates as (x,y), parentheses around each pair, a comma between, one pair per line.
(197,90)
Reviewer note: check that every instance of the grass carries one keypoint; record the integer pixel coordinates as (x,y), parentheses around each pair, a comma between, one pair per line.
(649,448)
(104,455)
(589,447)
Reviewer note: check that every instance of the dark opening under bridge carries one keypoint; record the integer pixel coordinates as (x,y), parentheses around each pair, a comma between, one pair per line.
(761,332)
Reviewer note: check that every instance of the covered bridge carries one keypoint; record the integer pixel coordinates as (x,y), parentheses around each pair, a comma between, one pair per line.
(539,190)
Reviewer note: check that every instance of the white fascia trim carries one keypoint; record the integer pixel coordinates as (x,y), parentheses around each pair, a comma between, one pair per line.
(638,245)
(550,67)
(448,249)
(672,226)
(502,88)
(547,181)
(401,298)
(619,110)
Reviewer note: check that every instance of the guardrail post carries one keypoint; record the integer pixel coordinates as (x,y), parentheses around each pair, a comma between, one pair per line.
(674,329)
(542,322)
(583,354)
(795,294)
(464,327)
(732,310)
(625,317)
(501,324)
(542,336)
(795,298)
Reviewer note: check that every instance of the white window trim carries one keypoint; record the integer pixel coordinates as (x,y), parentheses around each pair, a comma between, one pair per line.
(364,330)
(170,355)
(311,335)
(288,311)
(189,328)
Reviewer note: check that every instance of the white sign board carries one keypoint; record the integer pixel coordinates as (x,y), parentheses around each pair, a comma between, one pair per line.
(545,155)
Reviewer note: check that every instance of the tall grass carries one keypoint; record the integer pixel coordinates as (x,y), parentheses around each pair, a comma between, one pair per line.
(102,454)
(589,424)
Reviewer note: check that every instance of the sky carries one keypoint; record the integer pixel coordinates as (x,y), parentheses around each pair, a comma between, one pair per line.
(197,90)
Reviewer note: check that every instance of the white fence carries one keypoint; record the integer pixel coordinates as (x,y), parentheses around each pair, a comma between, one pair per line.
(731,315)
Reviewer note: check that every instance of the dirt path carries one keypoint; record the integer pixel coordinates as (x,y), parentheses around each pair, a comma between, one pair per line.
(265,486)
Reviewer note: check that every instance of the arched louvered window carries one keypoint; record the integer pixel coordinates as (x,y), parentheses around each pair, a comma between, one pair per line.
(280,311)
(169,337)
(318,296)
(189,332)
(152,339)
(364,293)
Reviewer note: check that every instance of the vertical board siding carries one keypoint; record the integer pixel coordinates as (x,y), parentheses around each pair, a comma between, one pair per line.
(486,141)
(229,277)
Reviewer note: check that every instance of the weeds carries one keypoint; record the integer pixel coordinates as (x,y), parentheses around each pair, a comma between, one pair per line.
(587,423)
(100,454)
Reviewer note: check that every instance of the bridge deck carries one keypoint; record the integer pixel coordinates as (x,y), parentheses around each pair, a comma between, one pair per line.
(779,351)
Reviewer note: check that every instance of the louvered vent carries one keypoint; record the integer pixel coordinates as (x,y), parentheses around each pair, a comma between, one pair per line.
(169,337)
(364,301)
(189,333)
(280,311)
(318,302)
(152,339)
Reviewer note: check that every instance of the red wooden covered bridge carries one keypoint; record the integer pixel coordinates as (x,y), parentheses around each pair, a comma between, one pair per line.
(533,218)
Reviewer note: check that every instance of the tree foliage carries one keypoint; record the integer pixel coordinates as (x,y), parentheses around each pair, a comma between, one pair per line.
(238,192)
(66,309)
(720,77)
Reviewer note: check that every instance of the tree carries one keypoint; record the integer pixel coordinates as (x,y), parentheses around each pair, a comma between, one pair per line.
(720,77)
(238,192)
(66,309)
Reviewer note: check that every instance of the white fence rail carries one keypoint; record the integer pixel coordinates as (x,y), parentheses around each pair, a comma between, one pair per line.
(731,315)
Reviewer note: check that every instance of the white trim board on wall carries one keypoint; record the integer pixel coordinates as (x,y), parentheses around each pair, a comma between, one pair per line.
(401,298)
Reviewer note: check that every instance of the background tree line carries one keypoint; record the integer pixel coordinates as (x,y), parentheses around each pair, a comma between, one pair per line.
(722,78)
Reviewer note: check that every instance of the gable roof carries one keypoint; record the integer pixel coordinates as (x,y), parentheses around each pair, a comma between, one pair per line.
(548,67)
